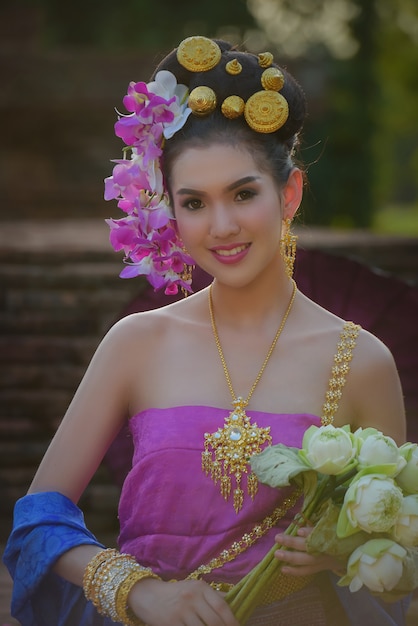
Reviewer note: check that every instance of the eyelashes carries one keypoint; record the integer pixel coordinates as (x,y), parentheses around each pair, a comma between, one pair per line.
(246,194)
(194,204)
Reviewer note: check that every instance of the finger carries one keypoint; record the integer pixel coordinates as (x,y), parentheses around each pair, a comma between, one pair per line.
(290,542)
(295,558)
(306,570)
(221,611)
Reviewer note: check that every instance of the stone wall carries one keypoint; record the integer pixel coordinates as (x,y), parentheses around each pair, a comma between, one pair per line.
(59,294)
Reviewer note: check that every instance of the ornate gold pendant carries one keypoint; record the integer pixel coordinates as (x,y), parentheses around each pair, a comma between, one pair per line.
(228,450)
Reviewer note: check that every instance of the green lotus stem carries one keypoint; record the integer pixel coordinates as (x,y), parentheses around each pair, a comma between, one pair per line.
(245,596)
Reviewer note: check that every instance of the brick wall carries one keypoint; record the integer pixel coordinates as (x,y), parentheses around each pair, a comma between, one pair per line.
(54,308)
(59,294)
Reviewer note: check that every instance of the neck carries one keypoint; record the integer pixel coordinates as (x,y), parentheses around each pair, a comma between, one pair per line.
(253,304)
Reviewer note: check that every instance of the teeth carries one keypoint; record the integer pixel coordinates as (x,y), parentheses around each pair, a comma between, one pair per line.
(231,252)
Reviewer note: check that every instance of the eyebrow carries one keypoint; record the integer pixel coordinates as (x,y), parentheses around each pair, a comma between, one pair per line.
(238,183)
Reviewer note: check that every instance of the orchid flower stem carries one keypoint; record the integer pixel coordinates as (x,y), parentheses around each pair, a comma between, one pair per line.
(246,595)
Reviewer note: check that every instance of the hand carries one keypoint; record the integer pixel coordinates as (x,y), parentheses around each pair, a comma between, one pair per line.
(183,603)
(298,562)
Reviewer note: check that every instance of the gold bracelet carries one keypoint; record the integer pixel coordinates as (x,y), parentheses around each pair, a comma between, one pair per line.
(93,566)
(124,613)
(105,571)
(107,587)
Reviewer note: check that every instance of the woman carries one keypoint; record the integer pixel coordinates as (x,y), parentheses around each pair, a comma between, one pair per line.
(215,132)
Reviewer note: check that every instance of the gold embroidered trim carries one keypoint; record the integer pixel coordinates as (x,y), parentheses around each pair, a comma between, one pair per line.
(248,539)
(339,371)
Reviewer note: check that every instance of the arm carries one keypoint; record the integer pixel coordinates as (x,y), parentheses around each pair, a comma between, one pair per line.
(372,397)
(92,420)
(375,390)
(90,424)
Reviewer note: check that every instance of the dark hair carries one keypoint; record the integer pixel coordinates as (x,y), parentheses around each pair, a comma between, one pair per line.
(272,151)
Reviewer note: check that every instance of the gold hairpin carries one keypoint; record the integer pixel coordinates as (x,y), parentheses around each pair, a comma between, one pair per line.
(233,67)
(198,54)
(202,100)
(266,111)
(265,59)
(232,107)
(272,79)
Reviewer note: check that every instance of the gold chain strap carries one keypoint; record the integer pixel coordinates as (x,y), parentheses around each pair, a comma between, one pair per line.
(339,371)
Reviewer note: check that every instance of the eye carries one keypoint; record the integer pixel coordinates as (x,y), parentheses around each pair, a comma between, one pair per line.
(245,194)
(192,204)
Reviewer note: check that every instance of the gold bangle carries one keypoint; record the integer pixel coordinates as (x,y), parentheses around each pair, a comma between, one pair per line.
(94,565)
(124,612)
(106,569)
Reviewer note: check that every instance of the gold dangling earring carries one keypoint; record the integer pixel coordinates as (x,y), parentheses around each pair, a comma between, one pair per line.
(288,248)
(187,275)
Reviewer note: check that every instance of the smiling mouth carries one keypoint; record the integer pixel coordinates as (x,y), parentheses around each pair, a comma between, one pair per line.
(232,251)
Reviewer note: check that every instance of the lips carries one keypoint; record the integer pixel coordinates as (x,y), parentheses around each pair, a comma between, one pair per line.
(232,253)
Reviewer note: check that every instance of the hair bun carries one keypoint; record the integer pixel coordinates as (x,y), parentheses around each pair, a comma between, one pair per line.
(242,84)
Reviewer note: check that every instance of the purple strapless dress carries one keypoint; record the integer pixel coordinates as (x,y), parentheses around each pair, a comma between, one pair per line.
(172,516)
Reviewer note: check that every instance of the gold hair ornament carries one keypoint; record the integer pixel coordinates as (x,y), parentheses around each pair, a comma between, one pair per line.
(233,67)
(272,79)
(202,100)
(198,54)
(232,107)
(266,111)
(265,59)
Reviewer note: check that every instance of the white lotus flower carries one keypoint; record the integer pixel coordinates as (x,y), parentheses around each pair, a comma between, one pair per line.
(371,503)
(407,479)
(377,449)
(328,450)
(405,530)
(377,564)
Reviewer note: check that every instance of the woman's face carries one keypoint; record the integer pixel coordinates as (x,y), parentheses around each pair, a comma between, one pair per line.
(229,212)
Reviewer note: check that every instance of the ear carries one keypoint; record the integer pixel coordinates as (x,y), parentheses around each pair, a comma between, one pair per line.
(292,193)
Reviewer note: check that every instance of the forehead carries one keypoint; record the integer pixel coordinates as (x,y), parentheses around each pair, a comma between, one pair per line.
(212,165)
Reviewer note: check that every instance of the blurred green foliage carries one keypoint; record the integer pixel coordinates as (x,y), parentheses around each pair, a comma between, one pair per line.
(361,138)
(141,24)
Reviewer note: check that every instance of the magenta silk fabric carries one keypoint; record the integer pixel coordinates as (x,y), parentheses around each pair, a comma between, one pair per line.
(172,516)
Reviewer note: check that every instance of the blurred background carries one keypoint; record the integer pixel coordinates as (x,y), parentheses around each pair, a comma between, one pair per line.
(64,68)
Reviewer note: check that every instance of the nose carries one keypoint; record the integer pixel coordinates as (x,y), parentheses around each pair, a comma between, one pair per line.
(223,222)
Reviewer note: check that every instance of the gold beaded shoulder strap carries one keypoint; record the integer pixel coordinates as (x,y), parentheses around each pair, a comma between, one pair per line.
(339,371)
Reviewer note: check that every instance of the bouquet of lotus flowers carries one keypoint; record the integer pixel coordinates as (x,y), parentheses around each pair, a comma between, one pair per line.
(361,498)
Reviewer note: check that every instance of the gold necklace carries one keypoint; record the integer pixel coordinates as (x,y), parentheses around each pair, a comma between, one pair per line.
(228,450)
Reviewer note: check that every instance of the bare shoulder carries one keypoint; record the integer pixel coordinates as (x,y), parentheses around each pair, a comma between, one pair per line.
(372,394)
(148,326)
(375,387)
(371,352)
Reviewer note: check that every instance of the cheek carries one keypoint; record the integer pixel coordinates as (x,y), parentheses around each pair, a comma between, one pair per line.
(189,225)
(266,217)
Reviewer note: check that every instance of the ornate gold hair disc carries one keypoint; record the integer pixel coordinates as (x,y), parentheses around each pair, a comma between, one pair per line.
(266,111)
(233,67)
(272,79)
(202,100)
(265,59)
(232,107)
(198,54)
